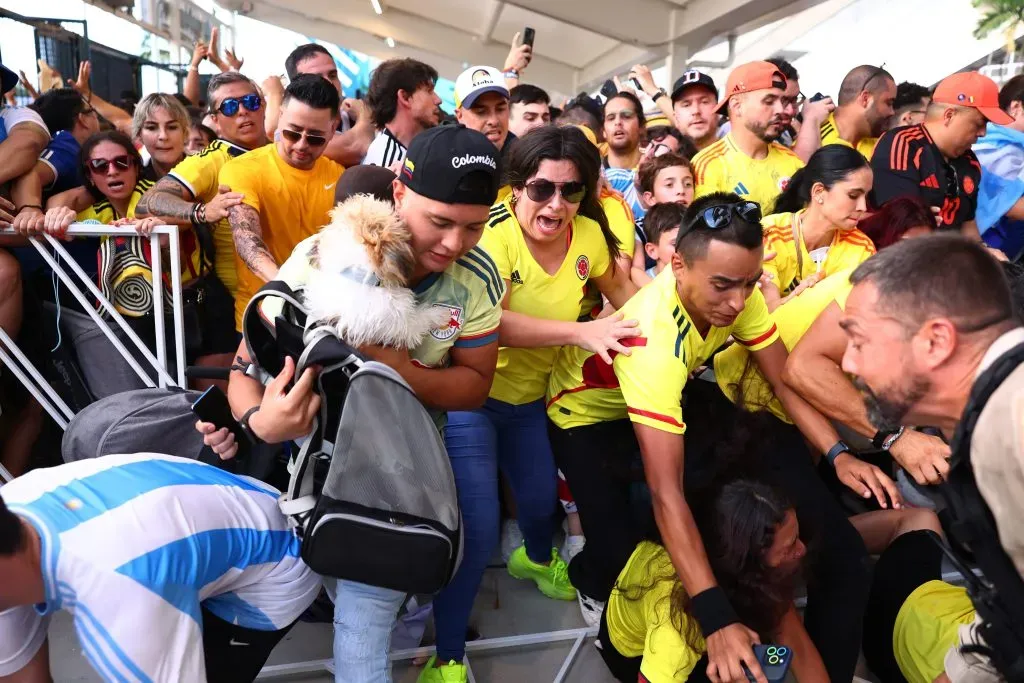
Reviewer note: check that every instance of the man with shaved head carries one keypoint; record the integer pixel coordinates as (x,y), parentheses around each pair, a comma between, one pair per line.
(865,102)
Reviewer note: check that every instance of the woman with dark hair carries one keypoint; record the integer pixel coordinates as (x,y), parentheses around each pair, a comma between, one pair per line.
(752,538)
(547,239)
(896,220)
(813,230)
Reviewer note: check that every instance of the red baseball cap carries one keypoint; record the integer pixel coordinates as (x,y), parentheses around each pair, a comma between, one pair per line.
(972,89)
(750,77)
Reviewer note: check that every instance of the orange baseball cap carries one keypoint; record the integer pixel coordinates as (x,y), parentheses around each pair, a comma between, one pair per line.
(750,77)
(972,89)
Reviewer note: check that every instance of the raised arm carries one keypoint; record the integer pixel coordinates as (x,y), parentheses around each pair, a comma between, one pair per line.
(118,117)
(349,148)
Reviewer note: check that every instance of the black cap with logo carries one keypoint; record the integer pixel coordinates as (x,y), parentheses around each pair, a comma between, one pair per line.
(693,78)
(439,158)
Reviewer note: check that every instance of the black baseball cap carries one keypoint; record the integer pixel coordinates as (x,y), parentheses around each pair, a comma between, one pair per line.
(690,79)
(8,79)
(439,158)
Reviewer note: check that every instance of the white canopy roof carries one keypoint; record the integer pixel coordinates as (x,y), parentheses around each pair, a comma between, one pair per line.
(579,43)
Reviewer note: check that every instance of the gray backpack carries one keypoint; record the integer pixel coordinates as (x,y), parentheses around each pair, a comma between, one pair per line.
(371,493)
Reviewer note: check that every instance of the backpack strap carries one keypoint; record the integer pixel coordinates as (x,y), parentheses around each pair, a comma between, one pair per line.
(300,499)
(258,335)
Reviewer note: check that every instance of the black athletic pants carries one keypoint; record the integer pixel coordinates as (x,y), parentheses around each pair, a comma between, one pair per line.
(235,654)
(602,467)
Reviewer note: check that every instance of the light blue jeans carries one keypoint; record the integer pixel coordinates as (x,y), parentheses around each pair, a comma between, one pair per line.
(364,617)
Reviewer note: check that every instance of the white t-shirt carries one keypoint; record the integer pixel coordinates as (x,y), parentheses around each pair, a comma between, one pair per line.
(133,545)
(15,116)
(385,150)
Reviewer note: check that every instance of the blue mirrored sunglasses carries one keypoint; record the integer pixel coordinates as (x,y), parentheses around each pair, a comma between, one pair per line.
(229,107)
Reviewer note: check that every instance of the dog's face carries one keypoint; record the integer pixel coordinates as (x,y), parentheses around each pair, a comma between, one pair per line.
(373,224)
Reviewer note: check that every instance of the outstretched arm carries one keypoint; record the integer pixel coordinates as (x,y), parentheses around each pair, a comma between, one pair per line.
(248,236)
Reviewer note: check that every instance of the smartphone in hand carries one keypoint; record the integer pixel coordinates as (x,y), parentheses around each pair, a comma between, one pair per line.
(213,407)
(528,36)
(774,661)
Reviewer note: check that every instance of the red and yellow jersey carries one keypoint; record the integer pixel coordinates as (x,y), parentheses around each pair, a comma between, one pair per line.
(522,374)
(620,220)
(793,319)
(722,167)
(830,136)
(647,386)
(793,263)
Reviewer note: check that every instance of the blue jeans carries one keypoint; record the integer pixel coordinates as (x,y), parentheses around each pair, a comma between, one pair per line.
(514,438)
(363,620)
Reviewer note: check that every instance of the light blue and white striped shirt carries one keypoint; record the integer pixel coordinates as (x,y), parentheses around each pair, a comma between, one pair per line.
(132,545)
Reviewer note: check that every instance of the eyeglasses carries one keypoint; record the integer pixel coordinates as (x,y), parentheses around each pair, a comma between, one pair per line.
(543,190)
(720,216)
(797,101)
(121,163)
(311,140)
(230,105)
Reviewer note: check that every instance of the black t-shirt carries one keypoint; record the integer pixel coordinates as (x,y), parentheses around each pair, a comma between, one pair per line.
(906,162)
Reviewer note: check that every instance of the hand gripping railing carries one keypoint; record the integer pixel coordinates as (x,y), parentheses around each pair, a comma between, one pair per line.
(30,376)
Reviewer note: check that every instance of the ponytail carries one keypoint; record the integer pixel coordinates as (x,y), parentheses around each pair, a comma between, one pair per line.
(829,165)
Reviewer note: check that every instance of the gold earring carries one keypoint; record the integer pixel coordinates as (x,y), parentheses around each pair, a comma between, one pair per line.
(515,198)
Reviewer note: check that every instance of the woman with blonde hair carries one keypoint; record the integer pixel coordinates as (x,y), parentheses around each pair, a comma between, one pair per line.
(160,125)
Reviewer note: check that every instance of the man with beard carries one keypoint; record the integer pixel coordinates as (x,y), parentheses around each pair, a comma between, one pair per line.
(747,161)
(403,104)
(918,340)
(624,122)
(694,103)
(933,160)
(866,97)
(791,101)
(482,104)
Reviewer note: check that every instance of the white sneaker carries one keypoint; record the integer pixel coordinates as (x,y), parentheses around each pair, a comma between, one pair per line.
(511,538)
(590,609)
(572,547)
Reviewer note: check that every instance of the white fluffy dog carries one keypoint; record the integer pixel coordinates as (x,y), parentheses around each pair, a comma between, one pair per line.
(362,265)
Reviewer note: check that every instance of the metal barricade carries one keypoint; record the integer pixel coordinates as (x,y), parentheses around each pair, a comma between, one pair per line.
(12,357)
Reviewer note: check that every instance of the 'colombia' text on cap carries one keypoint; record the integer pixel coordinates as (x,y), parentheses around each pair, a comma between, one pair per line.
(467,159)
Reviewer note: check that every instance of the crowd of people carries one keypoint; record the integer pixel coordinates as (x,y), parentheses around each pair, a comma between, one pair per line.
(725,335)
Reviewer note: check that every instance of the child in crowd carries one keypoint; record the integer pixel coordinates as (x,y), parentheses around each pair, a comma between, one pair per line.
(662,227)
(664,179)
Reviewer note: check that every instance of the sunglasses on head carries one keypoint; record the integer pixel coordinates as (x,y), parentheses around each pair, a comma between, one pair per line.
(230,105)
(720,215)
(122,163)
(543,190)
(879,71)
(311,140)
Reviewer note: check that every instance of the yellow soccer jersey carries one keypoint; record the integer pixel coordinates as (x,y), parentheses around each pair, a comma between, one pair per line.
(647,386)
(830,136)
(620,220)
(292,204)
(644,628)
(200,175)
(793,319)
(849,249)
(927,626)
(522,374)
(722,167)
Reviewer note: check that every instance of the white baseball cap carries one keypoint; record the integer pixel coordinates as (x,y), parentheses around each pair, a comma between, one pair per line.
(477,80)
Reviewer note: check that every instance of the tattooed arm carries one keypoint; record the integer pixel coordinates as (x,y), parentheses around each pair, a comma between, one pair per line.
(248,236)
(167,198)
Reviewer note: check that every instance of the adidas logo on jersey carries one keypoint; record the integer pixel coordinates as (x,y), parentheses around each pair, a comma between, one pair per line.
(516,280)
(741,189)
(931,181)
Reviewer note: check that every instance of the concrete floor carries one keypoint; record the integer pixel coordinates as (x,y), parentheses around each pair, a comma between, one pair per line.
(504,607)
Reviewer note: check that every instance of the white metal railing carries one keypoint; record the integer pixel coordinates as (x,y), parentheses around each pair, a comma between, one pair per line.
(23,370)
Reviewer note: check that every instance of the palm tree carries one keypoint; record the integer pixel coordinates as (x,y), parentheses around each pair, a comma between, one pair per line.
(1006,14)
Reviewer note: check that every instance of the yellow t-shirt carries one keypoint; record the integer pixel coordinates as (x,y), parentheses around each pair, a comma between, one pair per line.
(620,220)
(849,249)
(926,627)
(522,374)
(722,167)
(292,204)
(643,627)
(830,136)
(647,386)
(200,175)
(793,319)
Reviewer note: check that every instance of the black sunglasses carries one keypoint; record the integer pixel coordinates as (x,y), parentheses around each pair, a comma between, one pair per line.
(122,163)
(230,105)
(311,140)
(720,216)
(543,190)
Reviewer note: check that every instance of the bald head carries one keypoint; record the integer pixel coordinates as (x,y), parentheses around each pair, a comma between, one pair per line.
(871,79)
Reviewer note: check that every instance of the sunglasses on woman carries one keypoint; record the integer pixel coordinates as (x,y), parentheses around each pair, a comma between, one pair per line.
(121,163)
(720,215)
(230,105)
(543,190)
(311,140)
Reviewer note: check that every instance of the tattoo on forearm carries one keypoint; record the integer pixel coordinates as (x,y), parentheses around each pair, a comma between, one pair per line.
(167,198)
(248,235)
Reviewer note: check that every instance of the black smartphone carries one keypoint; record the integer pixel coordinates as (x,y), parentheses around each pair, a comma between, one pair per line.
(213,407)
(636,85)
(817,96)
(609,90)
(528,35)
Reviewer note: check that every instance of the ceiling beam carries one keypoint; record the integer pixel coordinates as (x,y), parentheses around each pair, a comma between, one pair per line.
(493,15)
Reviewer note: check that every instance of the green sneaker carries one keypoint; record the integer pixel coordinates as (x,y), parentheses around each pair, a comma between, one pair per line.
(552,579)
(451,672)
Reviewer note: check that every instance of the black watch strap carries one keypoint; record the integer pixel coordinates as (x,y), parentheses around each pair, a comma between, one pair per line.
(244,421)
(884,439)
(836,451)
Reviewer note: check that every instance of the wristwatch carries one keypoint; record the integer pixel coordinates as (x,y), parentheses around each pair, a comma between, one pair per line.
(836,451)
(511,73)
(884,440)
(244,422)
(657,95)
